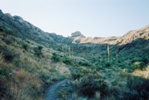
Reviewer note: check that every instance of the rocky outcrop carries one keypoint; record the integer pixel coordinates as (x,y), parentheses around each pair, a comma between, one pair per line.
(77,34)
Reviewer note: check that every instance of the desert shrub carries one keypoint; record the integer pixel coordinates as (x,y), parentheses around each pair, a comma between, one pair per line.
(8,54)
(138,88)
(138,65)
(107,64)
(44,74)
(4,72)
(66,60)
(145,59)
(38,51)
(48,76)
(26,47)
(8,41)
(40,48)
(77,75)
(9,57)
(56,57)
(90,85)
(85,70)
(28,41)
(84,63)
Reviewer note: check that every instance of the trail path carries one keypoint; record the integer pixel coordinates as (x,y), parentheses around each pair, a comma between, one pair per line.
(51,93)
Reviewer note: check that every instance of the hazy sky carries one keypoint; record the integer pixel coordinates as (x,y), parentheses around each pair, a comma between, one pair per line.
(100,18)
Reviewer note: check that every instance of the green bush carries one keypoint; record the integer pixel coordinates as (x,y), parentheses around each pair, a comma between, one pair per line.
(8,54)
(77,75)
(83,63)
(56,57)
(138,88)
(107,64)
(138,65)
(4,72)
(26,47)
(89,86)
(38,51)
(66,60)
(44,74)
(8,41)
(40,48)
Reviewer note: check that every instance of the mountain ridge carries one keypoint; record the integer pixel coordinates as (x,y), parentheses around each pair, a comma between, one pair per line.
(26,29)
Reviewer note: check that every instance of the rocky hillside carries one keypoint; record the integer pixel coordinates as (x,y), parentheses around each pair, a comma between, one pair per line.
(125,39)
(17,26)
(77,42)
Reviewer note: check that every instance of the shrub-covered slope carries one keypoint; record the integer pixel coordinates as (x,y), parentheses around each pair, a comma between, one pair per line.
(114,68)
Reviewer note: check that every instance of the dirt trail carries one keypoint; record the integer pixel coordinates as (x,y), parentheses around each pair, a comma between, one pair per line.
(51,93)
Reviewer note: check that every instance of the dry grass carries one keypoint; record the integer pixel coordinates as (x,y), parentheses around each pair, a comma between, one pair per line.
(23,86)
(18,93)
(19,78)
(63,70)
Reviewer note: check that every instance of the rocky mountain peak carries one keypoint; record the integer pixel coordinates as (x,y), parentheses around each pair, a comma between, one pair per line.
(77,34)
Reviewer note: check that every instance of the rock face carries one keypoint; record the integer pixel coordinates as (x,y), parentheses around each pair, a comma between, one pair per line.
(77,34)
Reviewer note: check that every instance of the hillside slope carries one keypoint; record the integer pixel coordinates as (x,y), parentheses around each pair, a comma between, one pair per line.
(98,68)
(19,27)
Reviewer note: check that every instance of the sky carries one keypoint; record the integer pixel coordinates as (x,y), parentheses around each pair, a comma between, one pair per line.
(93,18)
